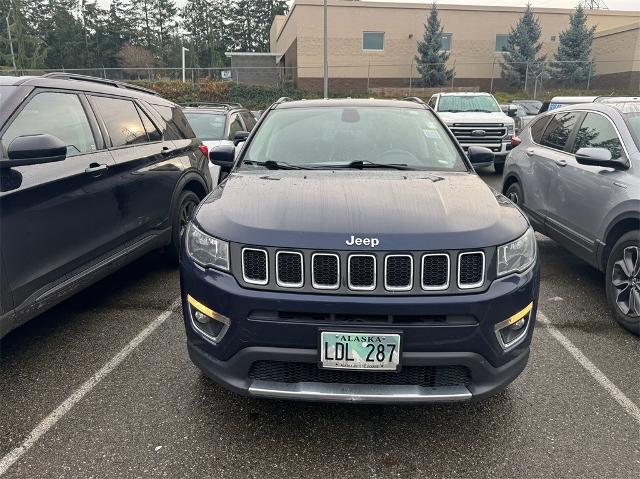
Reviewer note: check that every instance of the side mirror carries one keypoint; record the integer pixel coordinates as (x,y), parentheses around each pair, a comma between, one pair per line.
(240,136)
(597,157)
(480,156)
(34,149)
(223,156)
(512,111)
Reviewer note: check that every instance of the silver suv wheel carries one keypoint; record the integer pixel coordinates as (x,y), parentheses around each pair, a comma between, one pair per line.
(625,278)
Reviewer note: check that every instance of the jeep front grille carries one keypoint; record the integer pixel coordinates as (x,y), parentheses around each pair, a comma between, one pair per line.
(255,266)
(470,270)
(435,271)
(378,273)
(325,270)
(362,272)
(425,376)
(398,272)
(289,269)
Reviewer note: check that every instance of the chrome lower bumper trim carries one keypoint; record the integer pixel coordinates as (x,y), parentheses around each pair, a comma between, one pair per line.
(371,393)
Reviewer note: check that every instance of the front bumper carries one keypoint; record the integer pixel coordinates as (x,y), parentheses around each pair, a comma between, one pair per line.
(253,338)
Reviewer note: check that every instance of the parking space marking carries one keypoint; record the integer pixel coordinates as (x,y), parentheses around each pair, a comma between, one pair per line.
(629,406)
(47,423)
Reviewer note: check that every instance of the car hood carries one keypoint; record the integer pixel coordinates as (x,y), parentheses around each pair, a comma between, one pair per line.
(213,143)
(476,117)
(409,210)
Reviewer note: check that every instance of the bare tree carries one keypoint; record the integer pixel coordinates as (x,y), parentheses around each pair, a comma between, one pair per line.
(134,59)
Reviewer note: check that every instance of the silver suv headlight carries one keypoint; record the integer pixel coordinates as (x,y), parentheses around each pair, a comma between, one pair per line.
(518,255)
(207,250)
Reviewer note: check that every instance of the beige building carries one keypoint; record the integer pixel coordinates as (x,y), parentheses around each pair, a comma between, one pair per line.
(373,44)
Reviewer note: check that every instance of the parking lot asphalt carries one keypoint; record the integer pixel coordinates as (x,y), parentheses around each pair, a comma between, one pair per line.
(150,413)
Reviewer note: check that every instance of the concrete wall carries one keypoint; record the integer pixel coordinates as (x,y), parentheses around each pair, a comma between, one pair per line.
(621,48)
(473,42)
(255,69)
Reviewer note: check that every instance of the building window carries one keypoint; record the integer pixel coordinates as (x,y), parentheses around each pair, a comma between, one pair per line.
(445,43)
(373,41)
(501,43)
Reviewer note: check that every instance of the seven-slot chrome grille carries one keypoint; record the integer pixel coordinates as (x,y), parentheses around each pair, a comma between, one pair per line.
(375,273)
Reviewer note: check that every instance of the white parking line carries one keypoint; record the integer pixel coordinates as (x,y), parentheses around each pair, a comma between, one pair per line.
(48,422)
(629,406)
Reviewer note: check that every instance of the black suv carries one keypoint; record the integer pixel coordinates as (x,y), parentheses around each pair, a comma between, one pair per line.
(353,254)
(93,173)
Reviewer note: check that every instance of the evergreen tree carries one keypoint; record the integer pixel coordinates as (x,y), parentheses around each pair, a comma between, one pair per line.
(29,49)
(523,47)
(244,19)
(203,22)
(431,60)
(164,27)
(574,61)
(265,13)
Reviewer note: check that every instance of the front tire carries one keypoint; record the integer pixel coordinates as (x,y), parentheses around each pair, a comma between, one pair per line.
(514,193)
(623,281)
(182,214)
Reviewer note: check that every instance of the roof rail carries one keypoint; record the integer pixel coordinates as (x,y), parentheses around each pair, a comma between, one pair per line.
(414,99)
(103,81)
(209,104)
(282,99)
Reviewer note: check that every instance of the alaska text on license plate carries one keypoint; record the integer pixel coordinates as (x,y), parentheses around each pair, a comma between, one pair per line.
(374,351)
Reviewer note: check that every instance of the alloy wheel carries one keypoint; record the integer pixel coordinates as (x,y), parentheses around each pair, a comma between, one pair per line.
(186,214)
(626,281)
(513,196)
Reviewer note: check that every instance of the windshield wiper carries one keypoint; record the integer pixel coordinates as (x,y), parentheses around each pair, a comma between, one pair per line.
(362,164)
(275,165)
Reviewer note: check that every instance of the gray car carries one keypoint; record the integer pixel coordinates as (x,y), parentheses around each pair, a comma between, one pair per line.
(576,174)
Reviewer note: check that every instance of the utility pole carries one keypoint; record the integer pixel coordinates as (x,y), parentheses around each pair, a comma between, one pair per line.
(326,53)
(183,64)
(13,57)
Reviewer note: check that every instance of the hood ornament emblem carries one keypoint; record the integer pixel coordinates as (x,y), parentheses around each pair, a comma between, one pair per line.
(355,240)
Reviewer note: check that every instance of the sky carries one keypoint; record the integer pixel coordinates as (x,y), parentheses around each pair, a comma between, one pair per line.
(612,4)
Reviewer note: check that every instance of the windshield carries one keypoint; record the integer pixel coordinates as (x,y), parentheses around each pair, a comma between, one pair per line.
(207,126)
(461,103)
(532,108)
(328,137)
(4,93)
(633,120)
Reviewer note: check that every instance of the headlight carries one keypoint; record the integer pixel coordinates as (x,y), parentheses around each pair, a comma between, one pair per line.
(510,129)
(207,250)
(517,255)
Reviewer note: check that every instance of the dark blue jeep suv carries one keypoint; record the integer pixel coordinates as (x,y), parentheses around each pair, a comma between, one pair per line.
(352,254)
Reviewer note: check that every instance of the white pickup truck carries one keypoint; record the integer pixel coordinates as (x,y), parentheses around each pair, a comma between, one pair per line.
(476,119)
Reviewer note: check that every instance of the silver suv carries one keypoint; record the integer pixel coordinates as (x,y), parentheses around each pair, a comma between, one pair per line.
(576,174)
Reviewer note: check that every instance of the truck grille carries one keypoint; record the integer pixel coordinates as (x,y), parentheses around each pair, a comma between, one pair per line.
(470,270)
(376,273)
(493,133)
(425,376)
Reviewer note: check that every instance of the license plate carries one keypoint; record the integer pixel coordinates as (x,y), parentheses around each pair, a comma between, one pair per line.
(376,352)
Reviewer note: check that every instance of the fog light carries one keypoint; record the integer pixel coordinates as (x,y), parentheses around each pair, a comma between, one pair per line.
(514,329)
(200,317)
(210,325)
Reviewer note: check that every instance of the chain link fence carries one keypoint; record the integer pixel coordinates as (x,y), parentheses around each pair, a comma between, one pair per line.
(395,79)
